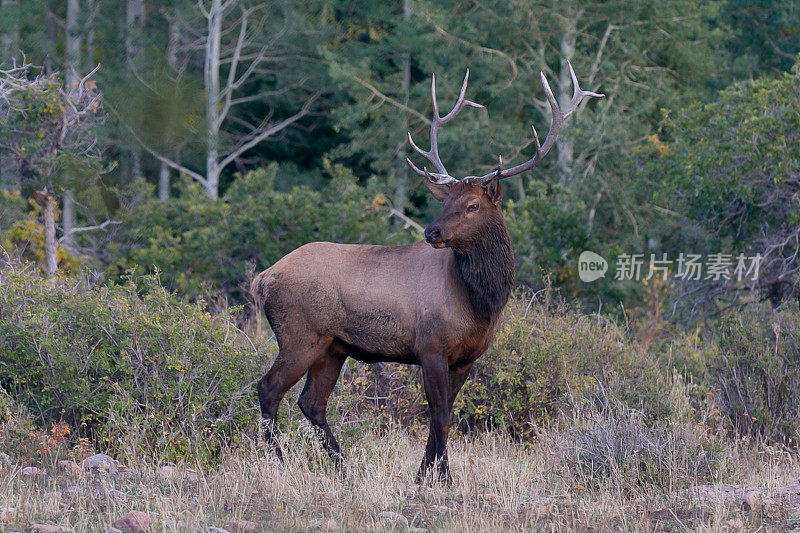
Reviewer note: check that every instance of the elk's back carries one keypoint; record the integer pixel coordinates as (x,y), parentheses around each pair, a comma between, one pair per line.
(381,299)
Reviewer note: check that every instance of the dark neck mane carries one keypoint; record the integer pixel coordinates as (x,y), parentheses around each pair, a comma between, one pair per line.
(488,271)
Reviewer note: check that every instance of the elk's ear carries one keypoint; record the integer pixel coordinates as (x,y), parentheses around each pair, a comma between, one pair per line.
(493,190)
(440,191)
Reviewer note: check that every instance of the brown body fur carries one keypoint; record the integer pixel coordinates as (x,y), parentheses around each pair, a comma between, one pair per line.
(434,304)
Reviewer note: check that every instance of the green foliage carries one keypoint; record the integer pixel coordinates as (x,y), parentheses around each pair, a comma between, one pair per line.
(128,365)
(199,244)
(727,173)
(546,359)
(549,230)
(13,208)
(543,359)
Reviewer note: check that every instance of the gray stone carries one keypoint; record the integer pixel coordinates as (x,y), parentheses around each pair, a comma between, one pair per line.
(392,517)
(100,463)
(31,471)
(47,528)
(325,524)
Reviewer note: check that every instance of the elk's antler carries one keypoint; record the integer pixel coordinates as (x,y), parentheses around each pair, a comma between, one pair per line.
(441,175)
(559,117)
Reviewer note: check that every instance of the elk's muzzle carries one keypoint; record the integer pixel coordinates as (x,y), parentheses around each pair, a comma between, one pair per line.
(433,236)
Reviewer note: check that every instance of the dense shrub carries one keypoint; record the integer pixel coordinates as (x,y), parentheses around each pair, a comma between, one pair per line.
(549,231)
(126,365)
(604,441)
(13,208)
(200,245)
(545,357)
(755,372)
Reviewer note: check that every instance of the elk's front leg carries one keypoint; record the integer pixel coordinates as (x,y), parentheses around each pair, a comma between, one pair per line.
(436,382)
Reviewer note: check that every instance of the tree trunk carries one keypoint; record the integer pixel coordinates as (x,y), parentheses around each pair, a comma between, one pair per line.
(136,164)
(73,51)
(564,148)
(163,182)
(73,43)
(134,23)
(401,190)
(211,79)
(90,35)
(212,174)
(48,204)
(172,60)
(10,41)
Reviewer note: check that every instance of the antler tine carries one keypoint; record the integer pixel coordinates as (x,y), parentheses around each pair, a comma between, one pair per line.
(432,155)
(432,176)
(559,117)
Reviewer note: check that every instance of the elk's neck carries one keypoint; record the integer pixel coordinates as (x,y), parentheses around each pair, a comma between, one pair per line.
(488,272)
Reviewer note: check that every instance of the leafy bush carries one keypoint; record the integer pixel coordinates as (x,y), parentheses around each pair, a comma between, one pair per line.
(724,179)
(199,244)
(549,231)
(13,208)
(544,355)
(126,365)
(545,358)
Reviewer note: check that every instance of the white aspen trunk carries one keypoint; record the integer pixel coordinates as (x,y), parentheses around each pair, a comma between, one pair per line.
(211,79)
(134,22)
(401,191)
(172,60)
(73,52)
(163,182)
(136,164)
(47,202)
(10,40)
(73,43)
(90,35)
(564,147)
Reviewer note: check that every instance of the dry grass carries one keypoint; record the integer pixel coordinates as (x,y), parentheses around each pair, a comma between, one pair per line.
(498,486)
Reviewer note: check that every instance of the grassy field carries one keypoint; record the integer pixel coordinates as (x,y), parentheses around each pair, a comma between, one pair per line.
(570,422)
(498,486)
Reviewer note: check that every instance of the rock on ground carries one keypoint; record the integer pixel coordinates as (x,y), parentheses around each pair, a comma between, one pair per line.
(241,526)
(31,471)
(395,518)
(325,524)
(133,522)
(47,528)
(100,462)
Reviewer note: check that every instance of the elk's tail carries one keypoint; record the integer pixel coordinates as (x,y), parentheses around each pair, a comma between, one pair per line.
(260,288)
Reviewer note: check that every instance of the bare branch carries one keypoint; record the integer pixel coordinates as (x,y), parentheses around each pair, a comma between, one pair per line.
(88,228)
(389,99)
(268,132)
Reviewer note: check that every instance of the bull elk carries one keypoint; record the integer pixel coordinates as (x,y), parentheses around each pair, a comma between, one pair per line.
(436,305)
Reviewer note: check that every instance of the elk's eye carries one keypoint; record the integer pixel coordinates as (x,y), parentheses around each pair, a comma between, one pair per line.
(472,207)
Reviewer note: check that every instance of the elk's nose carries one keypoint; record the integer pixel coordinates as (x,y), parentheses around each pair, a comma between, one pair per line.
(432,234)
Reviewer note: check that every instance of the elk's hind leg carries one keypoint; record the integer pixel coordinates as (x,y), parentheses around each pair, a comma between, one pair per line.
(313,402)
(290,365)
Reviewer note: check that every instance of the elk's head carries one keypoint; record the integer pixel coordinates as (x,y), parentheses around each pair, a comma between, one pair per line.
(467,209)
(472,204)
